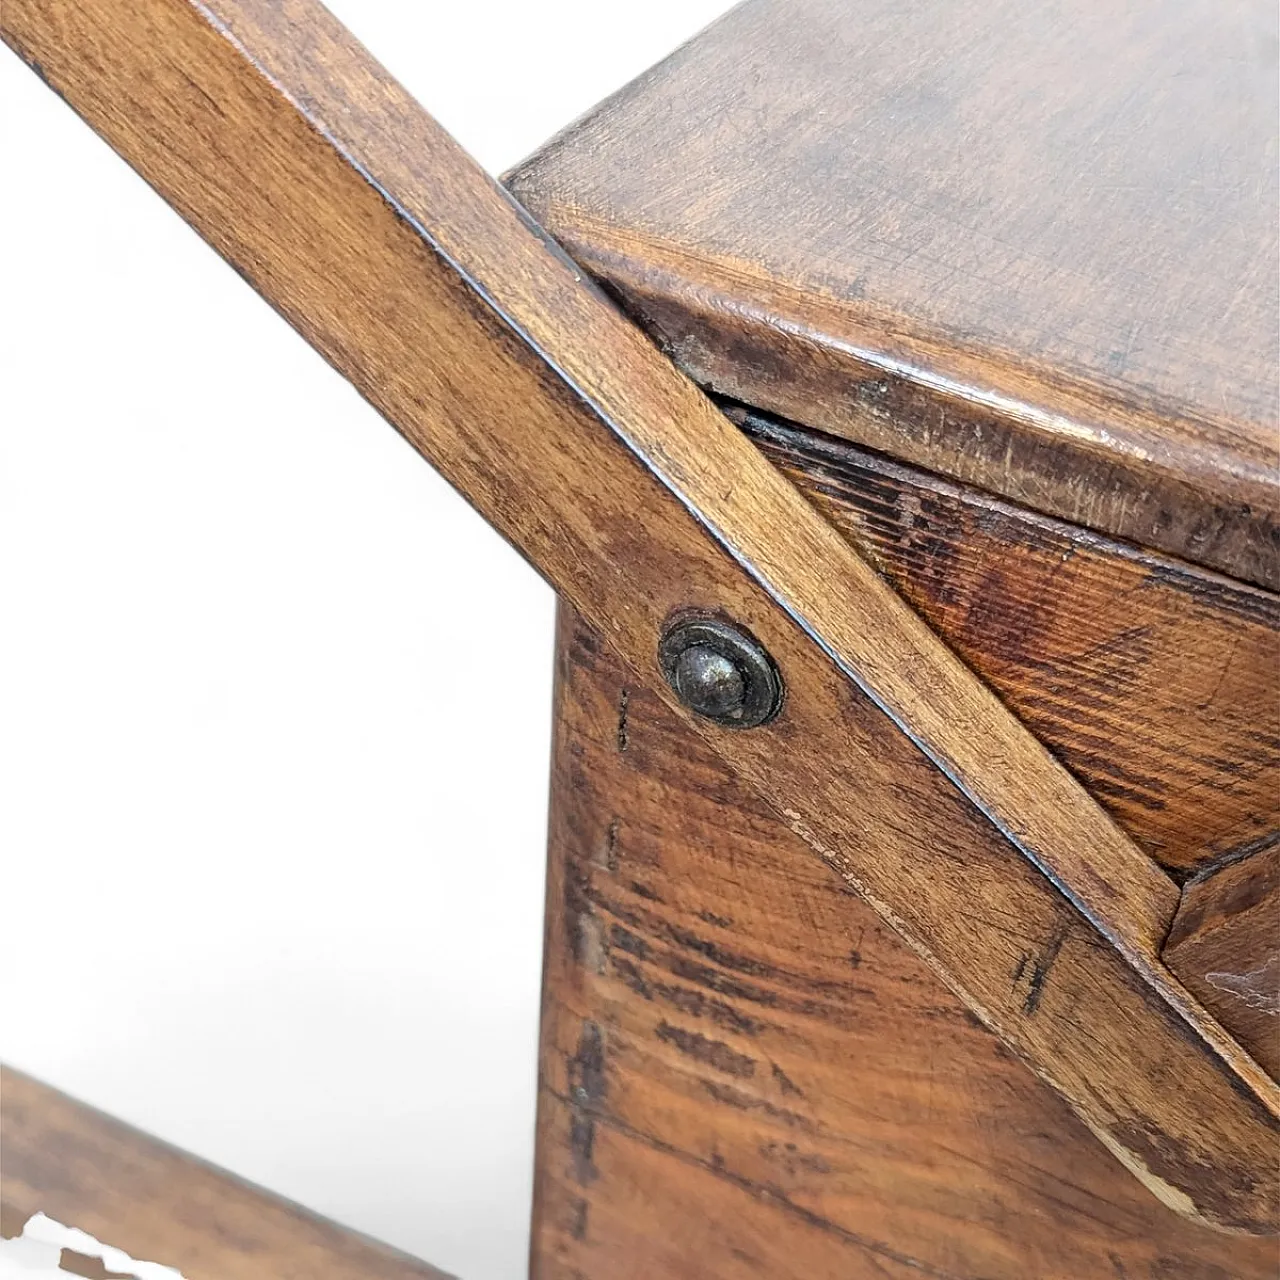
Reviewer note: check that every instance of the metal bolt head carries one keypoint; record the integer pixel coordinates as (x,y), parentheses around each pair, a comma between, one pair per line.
(720,672)
(709,683)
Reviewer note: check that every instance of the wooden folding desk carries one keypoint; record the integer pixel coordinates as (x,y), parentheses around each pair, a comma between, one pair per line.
(899,426)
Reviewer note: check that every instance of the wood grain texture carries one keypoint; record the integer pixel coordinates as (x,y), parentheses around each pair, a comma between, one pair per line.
(89,1171)
(1225,946)
(343,203)
(1032,247)
(1154,681)
(746,1076)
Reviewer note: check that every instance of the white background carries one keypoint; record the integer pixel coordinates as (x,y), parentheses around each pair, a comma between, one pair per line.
(272,832)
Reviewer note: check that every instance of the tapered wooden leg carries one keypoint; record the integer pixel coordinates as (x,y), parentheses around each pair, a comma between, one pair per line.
(744,1073)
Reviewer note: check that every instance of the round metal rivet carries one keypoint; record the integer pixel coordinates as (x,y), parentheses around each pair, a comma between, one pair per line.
(709,682)
(720,672)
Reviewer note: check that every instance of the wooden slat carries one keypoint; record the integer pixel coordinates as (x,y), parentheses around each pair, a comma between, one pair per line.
(1225,946)
(344,204)
(1031,247)
(87,1170)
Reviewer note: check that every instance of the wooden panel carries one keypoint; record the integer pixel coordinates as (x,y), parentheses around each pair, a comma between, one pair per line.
(1154,681)
(746,1076)
(89,1171)
(1033,247)
(278,137)
(1225,946)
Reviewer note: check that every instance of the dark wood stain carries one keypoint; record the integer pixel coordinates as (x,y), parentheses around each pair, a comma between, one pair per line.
(715,1053)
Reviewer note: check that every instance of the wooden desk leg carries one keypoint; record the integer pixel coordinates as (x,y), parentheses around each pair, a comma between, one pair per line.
(745,1074)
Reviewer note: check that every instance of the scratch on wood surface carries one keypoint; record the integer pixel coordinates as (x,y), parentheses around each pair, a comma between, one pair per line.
(1259,988)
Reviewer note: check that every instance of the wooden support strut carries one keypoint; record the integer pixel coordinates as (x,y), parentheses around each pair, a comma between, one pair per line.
(157,1202)
(310,170)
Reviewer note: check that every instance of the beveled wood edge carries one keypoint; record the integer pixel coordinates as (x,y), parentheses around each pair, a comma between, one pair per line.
(867,378)
(86,1169)
(277,136)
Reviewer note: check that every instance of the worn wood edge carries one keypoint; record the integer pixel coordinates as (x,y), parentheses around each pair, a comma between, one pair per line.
(1247,598)
(671,430)
(730,329)
(83,1167)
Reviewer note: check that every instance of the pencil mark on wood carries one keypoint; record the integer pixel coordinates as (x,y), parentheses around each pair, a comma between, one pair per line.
(1038,972)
